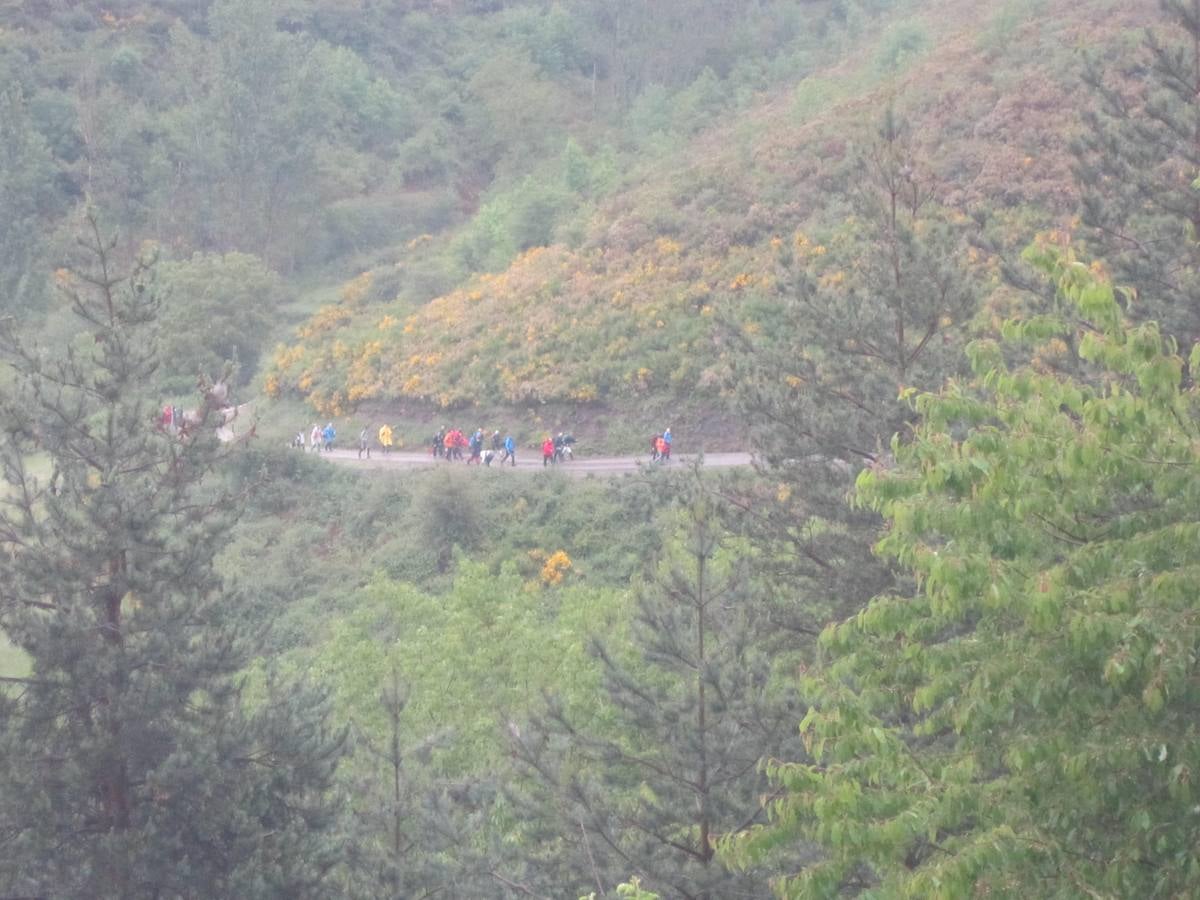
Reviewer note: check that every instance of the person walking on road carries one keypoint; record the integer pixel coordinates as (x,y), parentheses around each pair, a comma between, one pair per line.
(329,433)
(385,438)
(475,443)
(667,441)
(547,451)
(314,438)
(510,450)
(364,442)
(455,441)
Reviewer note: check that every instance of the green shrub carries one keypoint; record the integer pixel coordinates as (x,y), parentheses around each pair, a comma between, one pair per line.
(902,44)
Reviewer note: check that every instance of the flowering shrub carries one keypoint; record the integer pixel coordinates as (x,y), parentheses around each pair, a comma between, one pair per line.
(556,325)
(555,568)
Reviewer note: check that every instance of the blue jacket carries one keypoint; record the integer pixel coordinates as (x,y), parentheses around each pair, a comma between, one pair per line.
(509,444)
(328,433)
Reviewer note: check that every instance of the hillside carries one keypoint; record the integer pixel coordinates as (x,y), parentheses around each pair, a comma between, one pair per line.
(621,312)
(930,266)
(558,212)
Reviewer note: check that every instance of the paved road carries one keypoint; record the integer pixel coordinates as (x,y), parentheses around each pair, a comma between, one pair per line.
(581,465)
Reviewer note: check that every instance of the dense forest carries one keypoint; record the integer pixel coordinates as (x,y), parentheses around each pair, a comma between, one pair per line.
(933,263)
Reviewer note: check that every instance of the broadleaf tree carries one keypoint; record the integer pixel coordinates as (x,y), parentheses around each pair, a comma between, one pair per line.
(27,196)
(1025,723)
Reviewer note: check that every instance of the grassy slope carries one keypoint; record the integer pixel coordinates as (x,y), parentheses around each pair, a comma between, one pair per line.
(621,324)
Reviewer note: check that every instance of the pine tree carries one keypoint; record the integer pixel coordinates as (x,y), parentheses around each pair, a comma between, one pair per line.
(877,308)
(130,763)
(671,763)
(1137,161)
(407,829)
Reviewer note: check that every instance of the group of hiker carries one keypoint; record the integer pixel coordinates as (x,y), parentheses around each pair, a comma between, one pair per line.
(454,444)
(558,448)
(318,438)
(450,444)
(660,447)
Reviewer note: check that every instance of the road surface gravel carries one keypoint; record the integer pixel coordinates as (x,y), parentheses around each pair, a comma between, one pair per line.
(580,465)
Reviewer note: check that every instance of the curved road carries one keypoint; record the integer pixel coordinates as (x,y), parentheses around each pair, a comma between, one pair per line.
(531,461)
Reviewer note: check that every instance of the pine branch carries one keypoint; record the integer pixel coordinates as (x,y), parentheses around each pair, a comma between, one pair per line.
(515,886)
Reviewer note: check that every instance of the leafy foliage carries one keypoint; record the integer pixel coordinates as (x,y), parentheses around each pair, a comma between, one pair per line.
(1024,722)
(27,196)
(688,709)
(626,206)
(216,308)
(470,663)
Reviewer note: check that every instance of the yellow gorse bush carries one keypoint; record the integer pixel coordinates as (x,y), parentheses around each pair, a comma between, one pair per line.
(355,290)
(555,569)
(556,325)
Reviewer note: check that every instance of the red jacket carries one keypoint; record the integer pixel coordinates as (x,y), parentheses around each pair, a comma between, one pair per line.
(547,447)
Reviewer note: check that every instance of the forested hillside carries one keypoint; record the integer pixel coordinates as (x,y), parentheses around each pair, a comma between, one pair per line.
(616,304)
(509,203)
(933,262)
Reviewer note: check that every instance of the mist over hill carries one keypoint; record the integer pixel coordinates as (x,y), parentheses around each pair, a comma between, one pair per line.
(931,264)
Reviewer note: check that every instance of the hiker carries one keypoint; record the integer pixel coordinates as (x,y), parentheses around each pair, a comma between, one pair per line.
(476,445)
(547,451)
(364,442)
(298,440)
(567,450)
(439,442)
(496,442)
(329,434)
(558,447)
(661,449)
(510,450)
(654,447)
(314,438)
(488,455)
(667,442)
(385,438)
